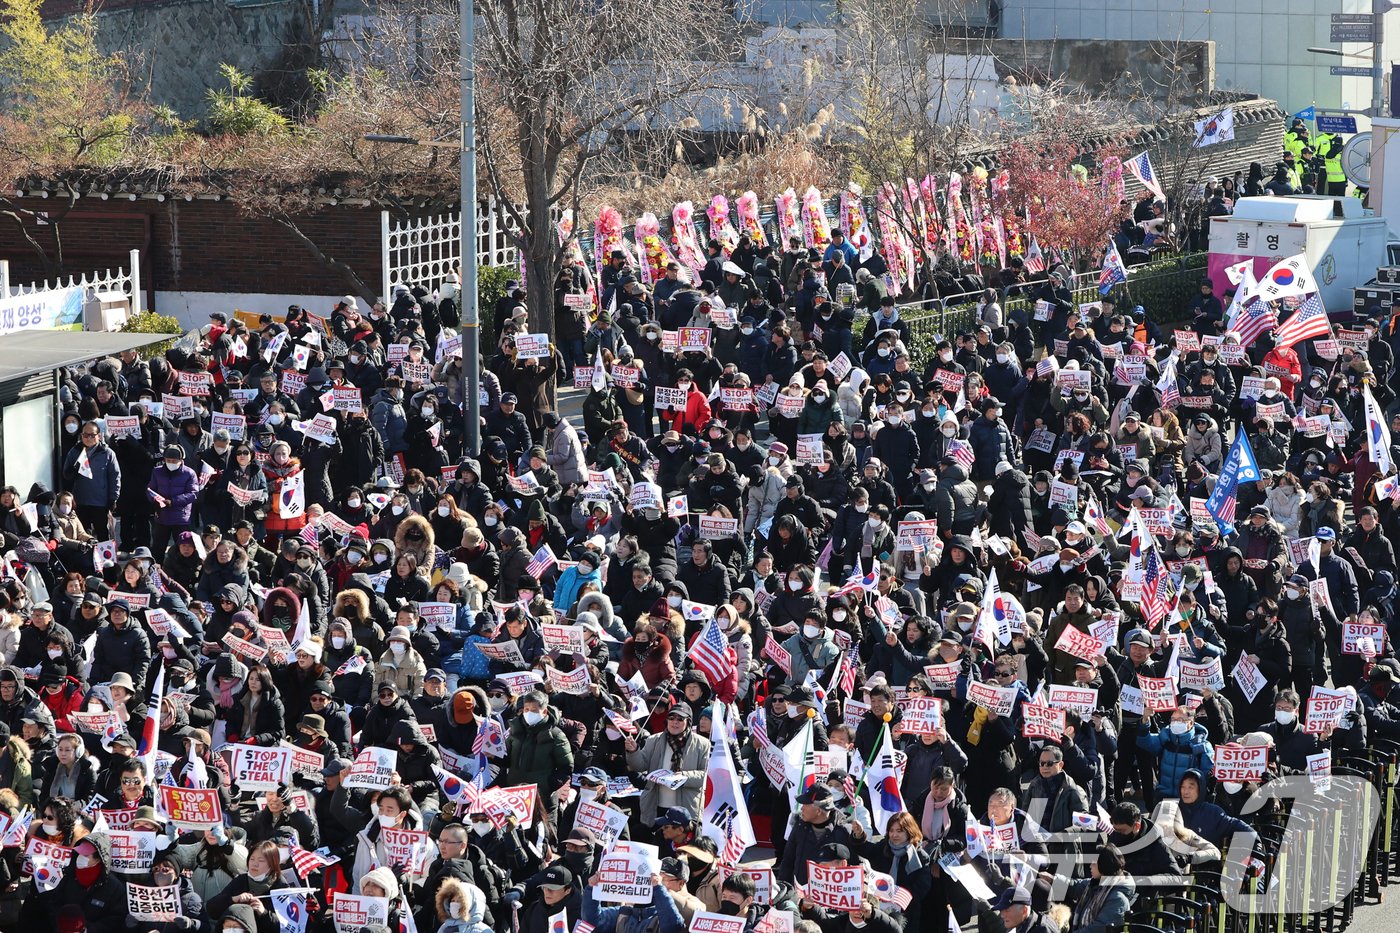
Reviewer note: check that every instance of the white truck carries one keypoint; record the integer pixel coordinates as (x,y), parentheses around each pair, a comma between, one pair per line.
(1343,244)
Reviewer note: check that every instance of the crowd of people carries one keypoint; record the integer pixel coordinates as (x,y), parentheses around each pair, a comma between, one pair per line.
(962,621)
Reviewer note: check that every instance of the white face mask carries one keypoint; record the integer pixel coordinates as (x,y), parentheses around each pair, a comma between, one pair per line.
(793,712)
(388,822)
(673,601)
(398,510)
(1065,566)
(454,909)
(497,704)
(479,829)
(429,411)
(862,508)
(1180,728)
(353,503)
(55,653)
(51,828)
(172,467)
(443,510)
(838,615)
(533,718)
(773,461)
(71,428)
(873,521)
(949,431)
(946,356)
(746,331)
(398,648)
(811,631)
(354,557)
(1232,787)
(794,585)
(1284,717)
(64,509)
(1002,357)
(492,521)
(587,794)
(337,642)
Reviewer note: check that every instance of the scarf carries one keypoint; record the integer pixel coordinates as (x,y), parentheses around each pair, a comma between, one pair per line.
(678,744)
(225,695)
(65,780)
(934,821)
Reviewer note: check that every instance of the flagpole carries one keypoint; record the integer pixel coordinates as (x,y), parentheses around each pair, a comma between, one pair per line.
(879,744)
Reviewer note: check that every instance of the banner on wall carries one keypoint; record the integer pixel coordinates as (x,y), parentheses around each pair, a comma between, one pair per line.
(48,309)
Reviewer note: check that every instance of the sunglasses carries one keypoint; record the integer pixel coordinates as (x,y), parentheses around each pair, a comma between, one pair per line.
(131,782)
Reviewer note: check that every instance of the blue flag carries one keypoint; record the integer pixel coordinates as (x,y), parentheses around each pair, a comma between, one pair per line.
(1307,113)
(1240,467)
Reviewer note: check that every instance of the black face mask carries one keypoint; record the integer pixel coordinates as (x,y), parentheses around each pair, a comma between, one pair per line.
(580,863)
(730,908)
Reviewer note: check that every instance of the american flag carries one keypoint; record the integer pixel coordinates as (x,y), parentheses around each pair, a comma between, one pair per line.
(1166,385)
(621,723)
(857,583)
(306,861)
(543,560)
(1034,260)
(961,451)
(1114,272)
(311,534)
(1141,167)
(1156,588)
(490,739)
(1310,321)
(1253,320)
(711,653)
(846,676)
(581,927)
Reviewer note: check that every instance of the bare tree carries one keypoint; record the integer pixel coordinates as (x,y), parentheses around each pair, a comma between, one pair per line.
(570,94)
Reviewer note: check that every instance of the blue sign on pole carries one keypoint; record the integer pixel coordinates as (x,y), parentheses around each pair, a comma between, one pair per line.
(1326,124)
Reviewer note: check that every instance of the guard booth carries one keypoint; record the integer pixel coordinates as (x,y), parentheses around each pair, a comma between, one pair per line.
(30,413)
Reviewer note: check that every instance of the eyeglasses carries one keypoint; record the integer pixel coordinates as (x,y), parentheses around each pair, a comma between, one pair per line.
(131,782)
(89,434)
(1048,764)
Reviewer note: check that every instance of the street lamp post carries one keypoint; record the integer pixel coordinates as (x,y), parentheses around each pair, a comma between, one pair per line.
(470,319)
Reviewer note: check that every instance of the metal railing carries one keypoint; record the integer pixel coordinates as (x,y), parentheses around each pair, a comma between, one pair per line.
(127,281)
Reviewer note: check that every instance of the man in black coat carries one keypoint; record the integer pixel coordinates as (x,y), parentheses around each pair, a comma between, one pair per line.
(1010,503)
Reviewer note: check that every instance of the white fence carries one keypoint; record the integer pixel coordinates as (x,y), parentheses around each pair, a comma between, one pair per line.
(127,281)
(423,251)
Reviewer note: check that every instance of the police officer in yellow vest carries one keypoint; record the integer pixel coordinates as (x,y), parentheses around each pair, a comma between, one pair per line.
(1290,167)
(1296,137)
(1329,148)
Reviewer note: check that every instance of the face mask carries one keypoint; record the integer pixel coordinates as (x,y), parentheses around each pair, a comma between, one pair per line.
(1081,396)
(1284,717)
(746,331)
(873,521)
(651,515)
(398,648)
(429,411)
(729,907)
(1294,594)
(533,718)
(454,908)
(653,336)
(172,467)
(1064,567)
(946,356)
(51,829)
(673,601)
(773,461)
(794,585)
(354,557)
(55,654)
(819,399)
(497,703)
(1232,787)
(810,631)
(862,508)
(274,419)
(838,615)
(479,829)
(683,386)
(387,821)
(71,428)
(337,642)
(949,431)
(64,509)
(1002,357)
(1180,728)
